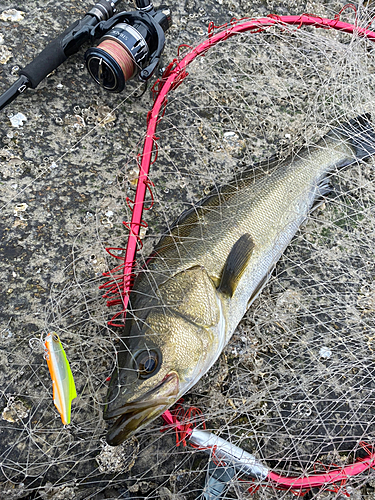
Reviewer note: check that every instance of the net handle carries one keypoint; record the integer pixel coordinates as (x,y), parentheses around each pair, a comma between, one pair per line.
(290,483)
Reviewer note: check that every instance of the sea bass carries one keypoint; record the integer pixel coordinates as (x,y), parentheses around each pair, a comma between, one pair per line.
(204,274)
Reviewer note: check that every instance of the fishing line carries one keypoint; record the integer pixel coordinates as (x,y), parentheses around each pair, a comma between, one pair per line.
(123,59)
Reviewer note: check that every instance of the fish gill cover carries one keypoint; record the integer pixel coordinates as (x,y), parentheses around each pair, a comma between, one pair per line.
(295,385)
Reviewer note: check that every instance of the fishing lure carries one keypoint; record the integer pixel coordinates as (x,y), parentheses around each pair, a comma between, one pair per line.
(64,390)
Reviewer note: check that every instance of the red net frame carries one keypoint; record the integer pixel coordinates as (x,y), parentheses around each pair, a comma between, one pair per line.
(334,478)
(122,276)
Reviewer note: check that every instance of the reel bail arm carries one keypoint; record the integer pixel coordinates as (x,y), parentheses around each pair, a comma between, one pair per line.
(131,44)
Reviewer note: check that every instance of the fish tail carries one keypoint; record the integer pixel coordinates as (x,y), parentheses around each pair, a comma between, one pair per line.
(359,134)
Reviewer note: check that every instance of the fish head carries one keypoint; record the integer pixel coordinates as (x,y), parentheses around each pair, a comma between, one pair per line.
(160,359)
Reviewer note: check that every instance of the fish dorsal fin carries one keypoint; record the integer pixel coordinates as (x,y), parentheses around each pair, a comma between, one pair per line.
(192,217)
(235,264)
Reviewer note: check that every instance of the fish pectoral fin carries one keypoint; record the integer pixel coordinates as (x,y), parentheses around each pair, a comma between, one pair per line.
(235,264)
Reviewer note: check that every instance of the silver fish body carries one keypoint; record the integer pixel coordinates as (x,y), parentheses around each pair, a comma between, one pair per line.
(204,274)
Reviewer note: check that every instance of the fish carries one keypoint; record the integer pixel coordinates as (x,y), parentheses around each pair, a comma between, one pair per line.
(63,386)
(204,274)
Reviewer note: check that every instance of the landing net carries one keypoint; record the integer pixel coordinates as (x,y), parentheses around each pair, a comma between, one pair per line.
(294,387)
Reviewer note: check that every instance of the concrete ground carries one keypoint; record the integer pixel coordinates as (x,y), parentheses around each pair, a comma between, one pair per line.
(64,176)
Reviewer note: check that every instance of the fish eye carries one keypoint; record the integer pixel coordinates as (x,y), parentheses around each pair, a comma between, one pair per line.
(55,337)
(147,363)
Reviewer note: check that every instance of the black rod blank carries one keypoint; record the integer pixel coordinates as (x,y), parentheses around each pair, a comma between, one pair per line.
(15,90)
(58,50)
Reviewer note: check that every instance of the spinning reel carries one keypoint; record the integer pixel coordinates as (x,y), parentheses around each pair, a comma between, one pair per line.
(130,45)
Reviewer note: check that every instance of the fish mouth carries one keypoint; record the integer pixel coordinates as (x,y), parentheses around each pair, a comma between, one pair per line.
(138,413)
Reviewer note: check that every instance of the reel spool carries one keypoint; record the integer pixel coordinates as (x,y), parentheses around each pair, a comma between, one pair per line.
(131,45)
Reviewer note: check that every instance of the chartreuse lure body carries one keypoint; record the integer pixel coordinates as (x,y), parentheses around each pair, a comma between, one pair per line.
(64,390)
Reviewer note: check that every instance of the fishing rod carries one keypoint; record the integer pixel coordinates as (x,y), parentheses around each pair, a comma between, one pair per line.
(130,45)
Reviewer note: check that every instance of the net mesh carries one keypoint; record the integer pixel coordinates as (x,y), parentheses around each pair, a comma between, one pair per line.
(295,384)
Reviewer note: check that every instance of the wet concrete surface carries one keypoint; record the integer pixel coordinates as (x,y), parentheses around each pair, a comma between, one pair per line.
(64,177)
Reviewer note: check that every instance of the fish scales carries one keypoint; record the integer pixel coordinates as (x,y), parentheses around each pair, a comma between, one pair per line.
(270,210)
(204,274)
